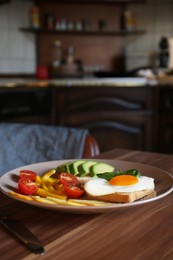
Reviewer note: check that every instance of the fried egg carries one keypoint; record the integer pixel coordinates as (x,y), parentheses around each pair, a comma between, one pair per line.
(121,183)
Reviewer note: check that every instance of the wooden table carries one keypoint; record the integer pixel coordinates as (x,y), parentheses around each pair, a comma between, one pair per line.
(142,232)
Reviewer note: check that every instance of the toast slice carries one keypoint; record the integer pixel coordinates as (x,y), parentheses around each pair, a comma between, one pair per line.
(124,197)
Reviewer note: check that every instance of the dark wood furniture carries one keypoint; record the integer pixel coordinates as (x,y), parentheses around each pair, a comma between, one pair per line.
(91,147)
(130,117)
(165,122)
(116,116)
(141,232)
(25,104)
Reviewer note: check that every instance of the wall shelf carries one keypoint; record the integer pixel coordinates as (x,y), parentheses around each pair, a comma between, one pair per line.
(93,32)
(98,35)
(114,2)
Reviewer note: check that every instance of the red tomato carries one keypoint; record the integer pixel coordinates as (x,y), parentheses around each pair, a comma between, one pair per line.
(27,174)
(27,187)
(73,191)
(68,179)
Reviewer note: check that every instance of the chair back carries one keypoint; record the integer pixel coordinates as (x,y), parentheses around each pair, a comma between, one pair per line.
(23,144)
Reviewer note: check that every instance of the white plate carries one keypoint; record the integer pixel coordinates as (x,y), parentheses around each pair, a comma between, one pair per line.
(163,185)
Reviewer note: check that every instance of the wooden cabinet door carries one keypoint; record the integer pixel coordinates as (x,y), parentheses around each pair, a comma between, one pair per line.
(165,129)
(25,105)
(120,117)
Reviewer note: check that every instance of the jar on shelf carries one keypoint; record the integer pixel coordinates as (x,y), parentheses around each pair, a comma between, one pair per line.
(79,26)
(63,24)
(50,21)
(70,26)
(70,54)
(35,17)
(56,57)
(58,24)
(127,21)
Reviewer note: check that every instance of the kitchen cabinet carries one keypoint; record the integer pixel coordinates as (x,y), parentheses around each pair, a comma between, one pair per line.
(165,122)
(25,105)
(116,116)
(137,117)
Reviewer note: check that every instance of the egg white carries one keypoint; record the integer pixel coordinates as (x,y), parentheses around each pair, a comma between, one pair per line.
(98,187)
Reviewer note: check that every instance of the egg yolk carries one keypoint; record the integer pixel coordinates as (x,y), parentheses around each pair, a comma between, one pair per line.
(123,180)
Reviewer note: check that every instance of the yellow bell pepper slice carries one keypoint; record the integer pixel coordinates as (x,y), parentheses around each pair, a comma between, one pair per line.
(47,175)
(38,179)
(44,193)
(53,180)
(44,186)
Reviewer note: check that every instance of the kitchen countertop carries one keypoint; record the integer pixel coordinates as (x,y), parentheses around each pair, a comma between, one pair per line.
(129,82)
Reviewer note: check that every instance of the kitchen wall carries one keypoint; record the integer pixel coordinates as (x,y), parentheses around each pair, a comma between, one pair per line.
(156,17)
(17,49)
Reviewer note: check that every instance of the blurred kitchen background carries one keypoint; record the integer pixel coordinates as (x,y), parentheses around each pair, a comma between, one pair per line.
(18,51)
(104,65)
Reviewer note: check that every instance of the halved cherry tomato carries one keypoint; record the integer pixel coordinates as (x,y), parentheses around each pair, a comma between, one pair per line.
(68,179)
(73,191)
(27,187)
(27,174)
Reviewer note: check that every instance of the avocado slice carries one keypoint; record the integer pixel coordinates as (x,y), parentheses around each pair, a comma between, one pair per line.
(100,167)
(74,167)
(63,168)
(84,168)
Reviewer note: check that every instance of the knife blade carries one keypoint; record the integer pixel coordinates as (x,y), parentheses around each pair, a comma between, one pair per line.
(23,233)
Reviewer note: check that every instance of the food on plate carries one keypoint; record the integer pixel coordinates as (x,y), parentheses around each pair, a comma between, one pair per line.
(110,175)
(101,185)
(31,175)
(122,188)
(27,187)
(74,167)
(20,196)
(87,168)
(45,193)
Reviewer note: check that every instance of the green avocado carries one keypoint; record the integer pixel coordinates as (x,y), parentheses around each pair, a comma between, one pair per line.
(63,168)
(74,167)
(99,167)
(84,168)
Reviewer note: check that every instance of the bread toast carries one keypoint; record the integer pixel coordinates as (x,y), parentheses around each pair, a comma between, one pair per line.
(125,197)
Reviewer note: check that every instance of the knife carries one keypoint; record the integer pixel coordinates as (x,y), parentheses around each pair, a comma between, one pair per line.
(23,233)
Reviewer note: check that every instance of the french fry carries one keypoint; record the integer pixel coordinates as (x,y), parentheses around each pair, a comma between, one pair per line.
(42,200)
(58,201)
(90,202)
(73,203)
(20,196)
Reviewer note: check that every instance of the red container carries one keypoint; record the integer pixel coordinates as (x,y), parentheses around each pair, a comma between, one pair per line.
(42,72)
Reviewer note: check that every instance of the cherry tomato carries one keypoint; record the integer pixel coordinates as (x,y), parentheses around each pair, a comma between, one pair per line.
(73,191)
(68,179)
(27,187)
(27,174)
